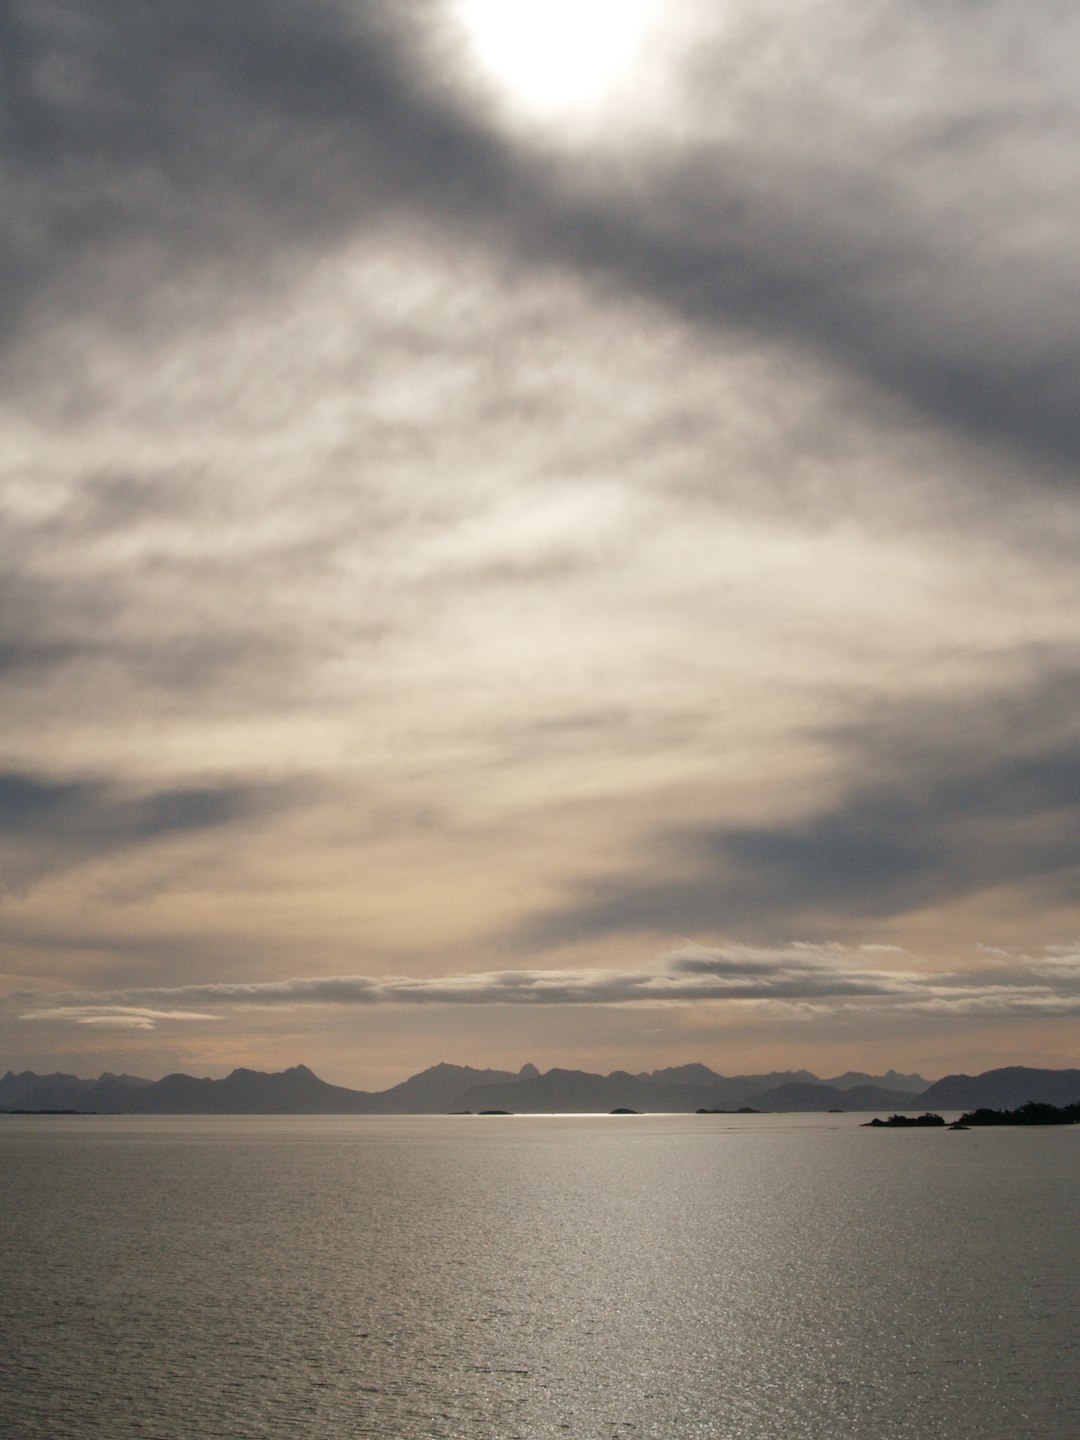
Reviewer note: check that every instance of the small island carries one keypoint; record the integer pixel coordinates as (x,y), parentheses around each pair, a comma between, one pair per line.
(906,1122)
(1033,1113)
(48,1112)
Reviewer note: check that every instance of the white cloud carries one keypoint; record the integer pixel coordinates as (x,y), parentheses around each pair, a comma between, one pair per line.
(121,1017)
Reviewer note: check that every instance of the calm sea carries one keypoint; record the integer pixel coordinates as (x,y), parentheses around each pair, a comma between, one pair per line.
(758,1278)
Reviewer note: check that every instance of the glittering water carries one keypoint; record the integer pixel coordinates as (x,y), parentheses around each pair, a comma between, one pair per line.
(765,1278)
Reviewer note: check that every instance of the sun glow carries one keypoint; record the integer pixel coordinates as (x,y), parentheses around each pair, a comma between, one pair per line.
(553,57)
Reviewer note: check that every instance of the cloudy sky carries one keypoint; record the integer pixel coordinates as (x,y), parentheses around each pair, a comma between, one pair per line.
(539,531)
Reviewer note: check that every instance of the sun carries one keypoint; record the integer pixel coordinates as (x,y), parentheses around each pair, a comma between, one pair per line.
(556,57)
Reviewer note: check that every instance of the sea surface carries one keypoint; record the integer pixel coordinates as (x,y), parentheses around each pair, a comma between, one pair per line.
(751,1277)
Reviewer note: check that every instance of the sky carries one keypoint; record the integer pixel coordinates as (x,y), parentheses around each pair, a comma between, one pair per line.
(539,532)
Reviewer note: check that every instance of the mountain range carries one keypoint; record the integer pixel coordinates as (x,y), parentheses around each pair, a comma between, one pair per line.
(446,1088)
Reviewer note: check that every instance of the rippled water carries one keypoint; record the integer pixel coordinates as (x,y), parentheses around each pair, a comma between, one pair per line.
(765,1278)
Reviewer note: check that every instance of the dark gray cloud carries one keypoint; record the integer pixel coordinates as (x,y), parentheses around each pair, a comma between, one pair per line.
(210,131)
(898,237)
(19,656)
(935,804)
(48,824)
(924,242)
(92,811)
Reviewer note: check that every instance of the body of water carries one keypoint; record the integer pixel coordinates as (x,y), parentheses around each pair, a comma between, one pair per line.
(751,1278)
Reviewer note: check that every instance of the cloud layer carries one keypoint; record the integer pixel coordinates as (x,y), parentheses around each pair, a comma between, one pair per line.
(447,538)
(942,802)
(809,977)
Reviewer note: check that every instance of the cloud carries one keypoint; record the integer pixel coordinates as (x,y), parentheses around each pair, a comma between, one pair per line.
(96,812)
(937,802)
(811,978)
(906,222)
(247,140)
(48,824)
(205,132)
(114,1016)
(581,509)
(925,243)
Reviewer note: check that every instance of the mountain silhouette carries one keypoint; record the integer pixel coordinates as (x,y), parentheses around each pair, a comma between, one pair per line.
(435,1089)
(1005,1089)
(891,1080)
(807,1098)
(443,1088)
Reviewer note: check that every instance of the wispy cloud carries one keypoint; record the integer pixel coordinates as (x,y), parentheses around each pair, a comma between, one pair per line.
(119,1017)
(49,823)
(809,977)
(925,816)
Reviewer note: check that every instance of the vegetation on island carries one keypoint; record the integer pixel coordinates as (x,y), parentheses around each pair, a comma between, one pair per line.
(907,1122)
(1030,1114)
(1033,1113)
